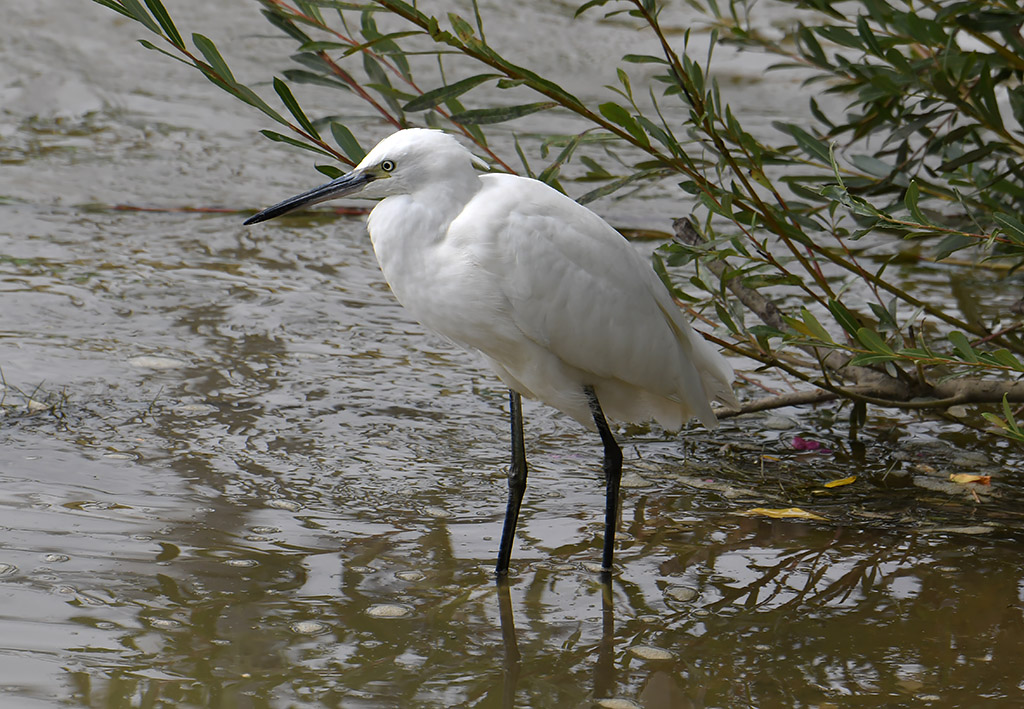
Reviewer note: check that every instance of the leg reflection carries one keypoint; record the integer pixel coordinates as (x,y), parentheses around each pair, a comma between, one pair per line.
(604,668)
(513,660)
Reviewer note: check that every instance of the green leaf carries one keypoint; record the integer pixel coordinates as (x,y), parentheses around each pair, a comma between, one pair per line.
(588,5)
(814,326)
(618,184)
(213,57)
(951,243)
(968,157)
(864,360)
(249,96)
(1008,413)
(910,200)
(725,317)
(1006,358)
(643,59)
(160,13)
(116,7)
(500,115)
(962,346)
(872,165)
(381,83)
(549,174)
(284,24)
(330,170)
(620,116)
(1011,227)
(348,143)
(871,340)
(322,46)
(815,148)
(463,29)
(294,108)
(444,93)
(138,12)
(885,319)
(301,76)
(278,138)
(844,317)
(149,45)
(864,30)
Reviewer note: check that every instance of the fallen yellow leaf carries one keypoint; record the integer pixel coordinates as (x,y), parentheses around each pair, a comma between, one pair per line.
(841,481)
(971,478)
(785,513)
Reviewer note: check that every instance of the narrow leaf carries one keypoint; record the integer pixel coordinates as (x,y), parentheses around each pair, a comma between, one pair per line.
(348,143)
(116,7)
(871,340)
(618,184)
(620,116)
(910,200)
(213,57)
(279,138)
(293,107)
(1012,227)
(844,317)
(160,13)
(588,5)
(138,12)
(808,143)
(962,346)
(814,326)
(444,93)
(500,115)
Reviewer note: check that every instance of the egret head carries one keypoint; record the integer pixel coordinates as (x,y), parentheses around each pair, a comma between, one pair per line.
(403,163)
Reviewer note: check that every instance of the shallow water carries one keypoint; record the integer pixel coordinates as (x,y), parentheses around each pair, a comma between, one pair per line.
(235,474)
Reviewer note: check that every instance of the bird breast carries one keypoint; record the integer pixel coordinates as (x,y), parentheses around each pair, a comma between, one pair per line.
(436,277)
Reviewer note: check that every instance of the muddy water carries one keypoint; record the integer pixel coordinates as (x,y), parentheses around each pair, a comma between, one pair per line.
(235,474)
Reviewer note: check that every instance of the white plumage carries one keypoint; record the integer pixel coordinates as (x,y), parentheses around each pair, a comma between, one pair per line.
(555,299)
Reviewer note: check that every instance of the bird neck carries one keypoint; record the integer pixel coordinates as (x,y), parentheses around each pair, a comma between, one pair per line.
(425,214)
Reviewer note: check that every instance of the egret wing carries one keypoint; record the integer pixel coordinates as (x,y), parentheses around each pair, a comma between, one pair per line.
(578,289)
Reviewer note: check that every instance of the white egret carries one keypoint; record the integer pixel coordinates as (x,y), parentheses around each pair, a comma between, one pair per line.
(558,303)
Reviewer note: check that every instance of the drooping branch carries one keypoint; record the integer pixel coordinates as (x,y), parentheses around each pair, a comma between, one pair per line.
(866,384)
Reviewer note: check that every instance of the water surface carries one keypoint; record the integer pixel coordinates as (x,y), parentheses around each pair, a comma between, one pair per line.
(235,474)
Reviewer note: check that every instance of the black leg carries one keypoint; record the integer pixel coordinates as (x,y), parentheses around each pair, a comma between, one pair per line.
(612,477)
(516,482)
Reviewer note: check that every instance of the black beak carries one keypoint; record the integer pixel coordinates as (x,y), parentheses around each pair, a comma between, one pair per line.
(344,185)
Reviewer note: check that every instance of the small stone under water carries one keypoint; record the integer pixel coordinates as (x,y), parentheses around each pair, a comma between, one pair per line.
(56,558)
(388,610)
(309,627)
(410,575)
(632,480)
(244,563)
(7,569)
(154,362)
(193,409)
(617,704)
(284,505)
(684,594)
(649,652)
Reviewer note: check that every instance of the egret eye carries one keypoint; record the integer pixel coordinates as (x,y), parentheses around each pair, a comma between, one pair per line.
(387,165)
